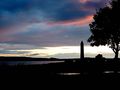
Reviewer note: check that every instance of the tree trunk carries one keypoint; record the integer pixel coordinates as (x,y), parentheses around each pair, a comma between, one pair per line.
(116,54)
(117,51)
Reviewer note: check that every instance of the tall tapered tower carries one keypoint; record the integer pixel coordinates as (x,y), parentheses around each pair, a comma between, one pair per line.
(82,50)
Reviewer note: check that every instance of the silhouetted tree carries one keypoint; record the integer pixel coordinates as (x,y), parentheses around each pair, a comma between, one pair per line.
(105,28)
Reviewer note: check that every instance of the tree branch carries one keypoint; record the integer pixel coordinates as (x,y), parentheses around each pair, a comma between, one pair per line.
(113,50)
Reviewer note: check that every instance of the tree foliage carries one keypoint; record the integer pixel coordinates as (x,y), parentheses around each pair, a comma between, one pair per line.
(105,28)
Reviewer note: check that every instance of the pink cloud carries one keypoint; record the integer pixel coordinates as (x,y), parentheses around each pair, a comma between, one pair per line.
(88,8)
(78,22)
(6,39)
(85,1)
(6,33)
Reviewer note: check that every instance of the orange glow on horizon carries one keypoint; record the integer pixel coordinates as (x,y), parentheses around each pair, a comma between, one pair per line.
(10,55)
(52,51)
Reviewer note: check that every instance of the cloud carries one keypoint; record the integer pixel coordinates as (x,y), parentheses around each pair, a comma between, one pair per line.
(26,21)
(22,12)
(79,22)
(43,34)
(33,24)
(10,46)
(86,1)
(66,55)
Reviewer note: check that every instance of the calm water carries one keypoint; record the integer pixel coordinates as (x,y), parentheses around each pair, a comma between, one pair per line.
(28,62)
(68,74)
(74,74)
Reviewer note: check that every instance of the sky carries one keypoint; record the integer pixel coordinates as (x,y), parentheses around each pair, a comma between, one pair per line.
(48,28)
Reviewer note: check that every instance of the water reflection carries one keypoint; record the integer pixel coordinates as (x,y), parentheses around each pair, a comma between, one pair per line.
(108,72)
(45,62)
(68,74)
(112,72)
(28,62)
(86,73)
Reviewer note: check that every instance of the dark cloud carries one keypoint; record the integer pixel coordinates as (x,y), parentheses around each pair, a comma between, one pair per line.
(24,11)
(52,36)
(26,24)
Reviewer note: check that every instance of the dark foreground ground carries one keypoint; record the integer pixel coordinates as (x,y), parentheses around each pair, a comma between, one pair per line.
(72,69)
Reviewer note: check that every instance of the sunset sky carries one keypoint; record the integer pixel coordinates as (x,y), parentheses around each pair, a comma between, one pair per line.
(48,28)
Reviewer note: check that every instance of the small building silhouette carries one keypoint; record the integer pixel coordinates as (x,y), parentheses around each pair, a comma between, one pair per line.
(99,56)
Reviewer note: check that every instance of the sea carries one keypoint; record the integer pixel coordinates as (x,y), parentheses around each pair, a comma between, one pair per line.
(28,62)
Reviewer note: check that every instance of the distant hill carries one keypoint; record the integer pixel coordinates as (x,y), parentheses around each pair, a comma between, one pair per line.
(25,59)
